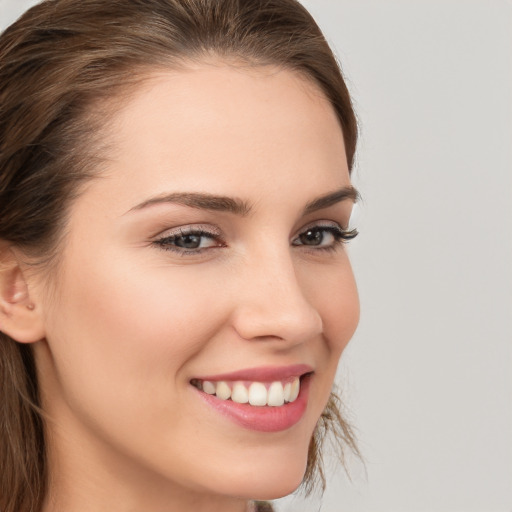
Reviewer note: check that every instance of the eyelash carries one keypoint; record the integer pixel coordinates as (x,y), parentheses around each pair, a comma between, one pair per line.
(168,243)
(341,236)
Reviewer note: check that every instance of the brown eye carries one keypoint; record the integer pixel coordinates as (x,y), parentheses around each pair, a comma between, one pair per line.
(324,237)
(312,237)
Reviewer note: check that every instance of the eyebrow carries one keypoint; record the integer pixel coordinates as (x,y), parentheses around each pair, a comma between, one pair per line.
(331,199)
(200,201)
(204,201)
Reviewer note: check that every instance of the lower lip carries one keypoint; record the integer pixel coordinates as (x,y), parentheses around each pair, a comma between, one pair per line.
(264,418)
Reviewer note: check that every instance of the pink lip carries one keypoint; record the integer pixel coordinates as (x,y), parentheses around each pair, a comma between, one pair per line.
(265,418)
(262,373)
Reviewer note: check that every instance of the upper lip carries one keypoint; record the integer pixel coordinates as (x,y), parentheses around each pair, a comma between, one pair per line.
(261,373)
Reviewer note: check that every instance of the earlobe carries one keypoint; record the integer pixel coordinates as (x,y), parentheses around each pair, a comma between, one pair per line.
(20,317)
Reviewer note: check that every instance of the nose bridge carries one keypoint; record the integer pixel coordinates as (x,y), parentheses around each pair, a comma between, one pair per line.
(273,303)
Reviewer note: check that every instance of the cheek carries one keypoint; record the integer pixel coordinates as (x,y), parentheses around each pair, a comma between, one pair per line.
(342,313)
(333,292)
(127,333)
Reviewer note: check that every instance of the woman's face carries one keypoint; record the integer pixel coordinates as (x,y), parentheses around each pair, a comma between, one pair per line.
(210,250)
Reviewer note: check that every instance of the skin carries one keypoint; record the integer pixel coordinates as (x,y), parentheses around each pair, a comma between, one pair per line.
(130,323)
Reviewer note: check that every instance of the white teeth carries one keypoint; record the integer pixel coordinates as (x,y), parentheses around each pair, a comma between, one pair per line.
(239,393)
(257,394)
(294,390)
(223,390)
(209,387)
(275,394)
(287,389)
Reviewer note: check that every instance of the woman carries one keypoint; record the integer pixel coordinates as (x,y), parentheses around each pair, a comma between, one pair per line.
(175,295)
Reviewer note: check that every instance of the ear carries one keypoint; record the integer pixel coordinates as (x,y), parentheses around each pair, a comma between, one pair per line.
(20,316)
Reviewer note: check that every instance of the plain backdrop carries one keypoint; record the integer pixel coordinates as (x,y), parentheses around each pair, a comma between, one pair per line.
(427,378)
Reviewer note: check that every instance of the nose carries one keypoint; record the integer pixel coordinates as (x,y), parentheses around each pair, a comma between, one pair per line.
(273,304)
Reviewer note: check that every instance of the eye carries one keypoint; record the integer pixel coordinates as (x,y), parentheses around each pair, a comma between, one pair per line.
(189,241)
(324,236)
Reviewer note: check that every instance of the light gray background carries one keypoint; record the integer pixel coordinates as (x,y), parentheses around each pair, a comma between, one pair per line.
(427,377)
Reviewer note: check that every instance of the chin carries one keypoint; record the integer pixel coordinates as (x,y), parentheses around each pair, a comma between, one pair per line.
(265,488)
(266,477)
(278,489)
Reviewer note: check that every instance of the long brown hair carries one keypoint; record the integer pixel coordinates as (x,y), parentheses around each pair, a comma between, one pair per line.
(58,63)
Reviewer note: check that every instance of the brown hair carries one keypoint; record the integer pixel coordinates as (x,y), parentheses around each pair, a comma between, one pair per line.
(58,63)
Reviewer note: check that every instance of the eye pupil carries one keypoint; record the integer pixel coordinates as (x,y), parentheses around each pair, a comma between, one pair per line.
(312,237)
(188,241)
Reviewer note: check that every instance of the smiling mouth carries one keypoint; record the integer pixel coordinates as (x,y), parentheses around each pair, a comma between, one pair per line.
(274,394)
(264,399)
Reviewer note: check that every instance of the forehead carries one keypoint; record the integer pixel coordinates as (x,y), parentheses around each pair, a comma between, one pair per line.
(227,130)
